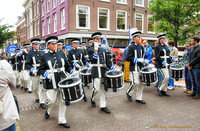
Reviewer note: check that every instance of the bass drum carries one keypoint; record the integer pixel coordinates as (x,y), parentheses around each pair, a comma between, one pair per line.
(113,80)
(71,90)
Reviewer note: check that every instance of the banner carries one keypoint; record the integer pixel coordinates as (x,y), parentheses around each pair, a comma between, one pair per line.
(11,48)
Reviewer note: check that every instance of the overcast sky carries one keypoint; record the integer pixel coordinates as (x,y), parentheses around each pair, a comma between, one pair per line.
(9,10)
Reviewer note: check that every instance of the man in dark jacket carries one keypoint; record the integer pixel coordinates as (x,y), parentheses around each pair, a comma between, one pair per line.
(194,67)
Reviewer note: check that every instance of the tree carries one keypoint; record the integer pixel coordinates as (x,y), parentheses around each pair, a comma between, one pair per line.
(179,19)
(5,34)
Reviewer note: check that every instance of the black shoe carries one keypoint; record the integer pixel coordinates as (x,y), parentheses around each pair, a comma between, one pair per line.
(140,101)
(21,87)
(129,97)
(25,89)
(105,109)
(93,103)
(164,93)
(65,125)
(85,99)
(192,95)
(43,106)
(46,115)
(29,92)
(159,92)
(37,101)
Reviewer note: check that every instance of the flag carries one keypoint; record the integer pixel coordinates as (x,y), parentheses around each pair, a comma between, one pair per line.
(129,42)
(105,40)
(141,41)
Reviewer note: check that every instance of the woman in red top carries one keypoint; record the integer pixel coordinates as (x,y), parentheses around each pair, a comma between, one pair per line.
(117,59)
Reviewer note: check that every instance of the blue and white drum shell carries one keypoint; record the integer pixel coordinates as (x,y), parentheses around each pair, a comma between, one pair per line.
(71,89)
(114,80)
(148,76)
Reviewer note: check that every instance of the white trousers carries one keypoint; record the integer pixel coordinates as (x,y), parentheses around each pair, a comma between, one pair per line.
(136,85)
(38,89)
(164,77)
(26,80)
(98,89)
(18,77)
(53,95)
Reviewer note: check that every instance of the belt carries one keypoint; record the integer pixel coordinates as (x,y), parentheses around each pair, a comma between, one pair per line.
(56,70)
(99,65)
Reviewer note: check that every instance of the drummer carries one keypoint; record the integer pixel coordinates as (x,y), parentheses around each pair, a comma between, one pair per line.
(53,67)
(100,63)
(162,54)
(135,56)
(76,56)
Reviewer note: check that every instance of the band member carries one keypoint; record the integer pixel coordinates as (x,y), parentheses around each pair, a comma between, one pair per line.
(60,45)
(33,62)
(162,55)
(147,51)
(76,56)
(16,62)
(53,67)
(26,79)
(135,56)
(194,67)
(100,64)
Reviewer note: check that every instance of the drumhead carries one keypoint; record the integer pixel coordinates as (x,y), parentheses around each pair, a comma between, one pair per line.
(85,72)
(114,74)
(148,70)
(69,82)
(176,67)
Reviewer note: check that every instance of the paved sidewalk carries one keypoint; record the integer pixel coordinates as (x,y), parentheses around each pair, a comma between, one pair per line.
(177,113)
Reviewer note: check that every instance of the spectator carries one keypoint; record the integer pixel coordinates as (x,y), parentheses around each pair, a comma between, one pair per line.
(117,58)
(7,81)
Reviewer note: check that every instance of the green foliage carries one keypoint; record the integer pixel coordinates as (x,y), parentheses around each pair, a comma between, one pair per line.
(179,19)
(5,34)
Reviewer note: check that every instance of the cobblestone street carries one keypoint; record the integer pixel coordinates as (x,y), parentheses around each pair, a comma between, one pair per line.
(178,112)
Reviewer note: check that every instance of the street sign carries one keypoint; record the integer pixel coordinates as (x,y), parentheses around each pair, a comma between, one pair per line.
(11,48)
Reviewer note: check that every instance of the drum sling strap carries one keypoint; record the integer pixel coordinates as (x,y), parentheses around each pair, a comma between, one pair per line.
(52,68)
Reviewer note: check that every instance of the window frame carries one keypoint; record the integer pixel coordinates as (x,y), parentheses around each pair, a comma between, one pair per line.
(140,5)
(125,3)
(108,20)
(55,26)
(48,25)
(62,28)
(149,32)
(77,17)
(142,21)
(104,0)
(125,30)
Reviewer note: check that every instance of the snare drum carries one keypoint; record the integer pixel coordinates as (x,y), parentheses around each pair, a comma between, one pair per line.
(43,82)
(71,90)
(114,80)
(176,71)
(149,75)
(86,76)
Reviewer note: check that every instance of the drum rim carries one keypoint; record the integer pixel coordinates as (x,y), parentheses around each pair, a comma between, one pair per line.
(149,71)
(109,76)
(182,68)
(86,74)
(73,84)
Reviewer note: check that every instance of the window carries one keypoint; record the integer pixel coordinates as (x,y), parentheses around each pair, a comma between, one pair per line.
(38,27)
(122,1)
(48,5)
(139,21)
(34,9)
(150,24)
(38,6)
(62,18)
(54,3)
(55,22)
(42,9)
(48,25)
(139,2)
(82,16)
(121,20)
(35,29)
(103,19)
(43,28)
(62,1)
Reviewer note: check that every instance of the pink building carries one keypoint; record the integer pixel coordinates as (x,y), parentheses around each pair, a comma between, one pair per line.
(54,17)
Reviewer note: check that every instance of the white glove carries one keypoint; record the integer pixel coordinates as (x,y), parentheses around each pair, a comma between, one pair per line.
(76,65)
(96,45)
(35,72)
(86,57)
(48,75)
(141,60)
(112,68)
(164,63)
(87,64)
(146,61)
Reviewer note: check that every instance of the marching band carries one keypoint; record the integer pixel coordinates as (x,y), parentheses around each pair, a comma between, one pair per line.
(52,75)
